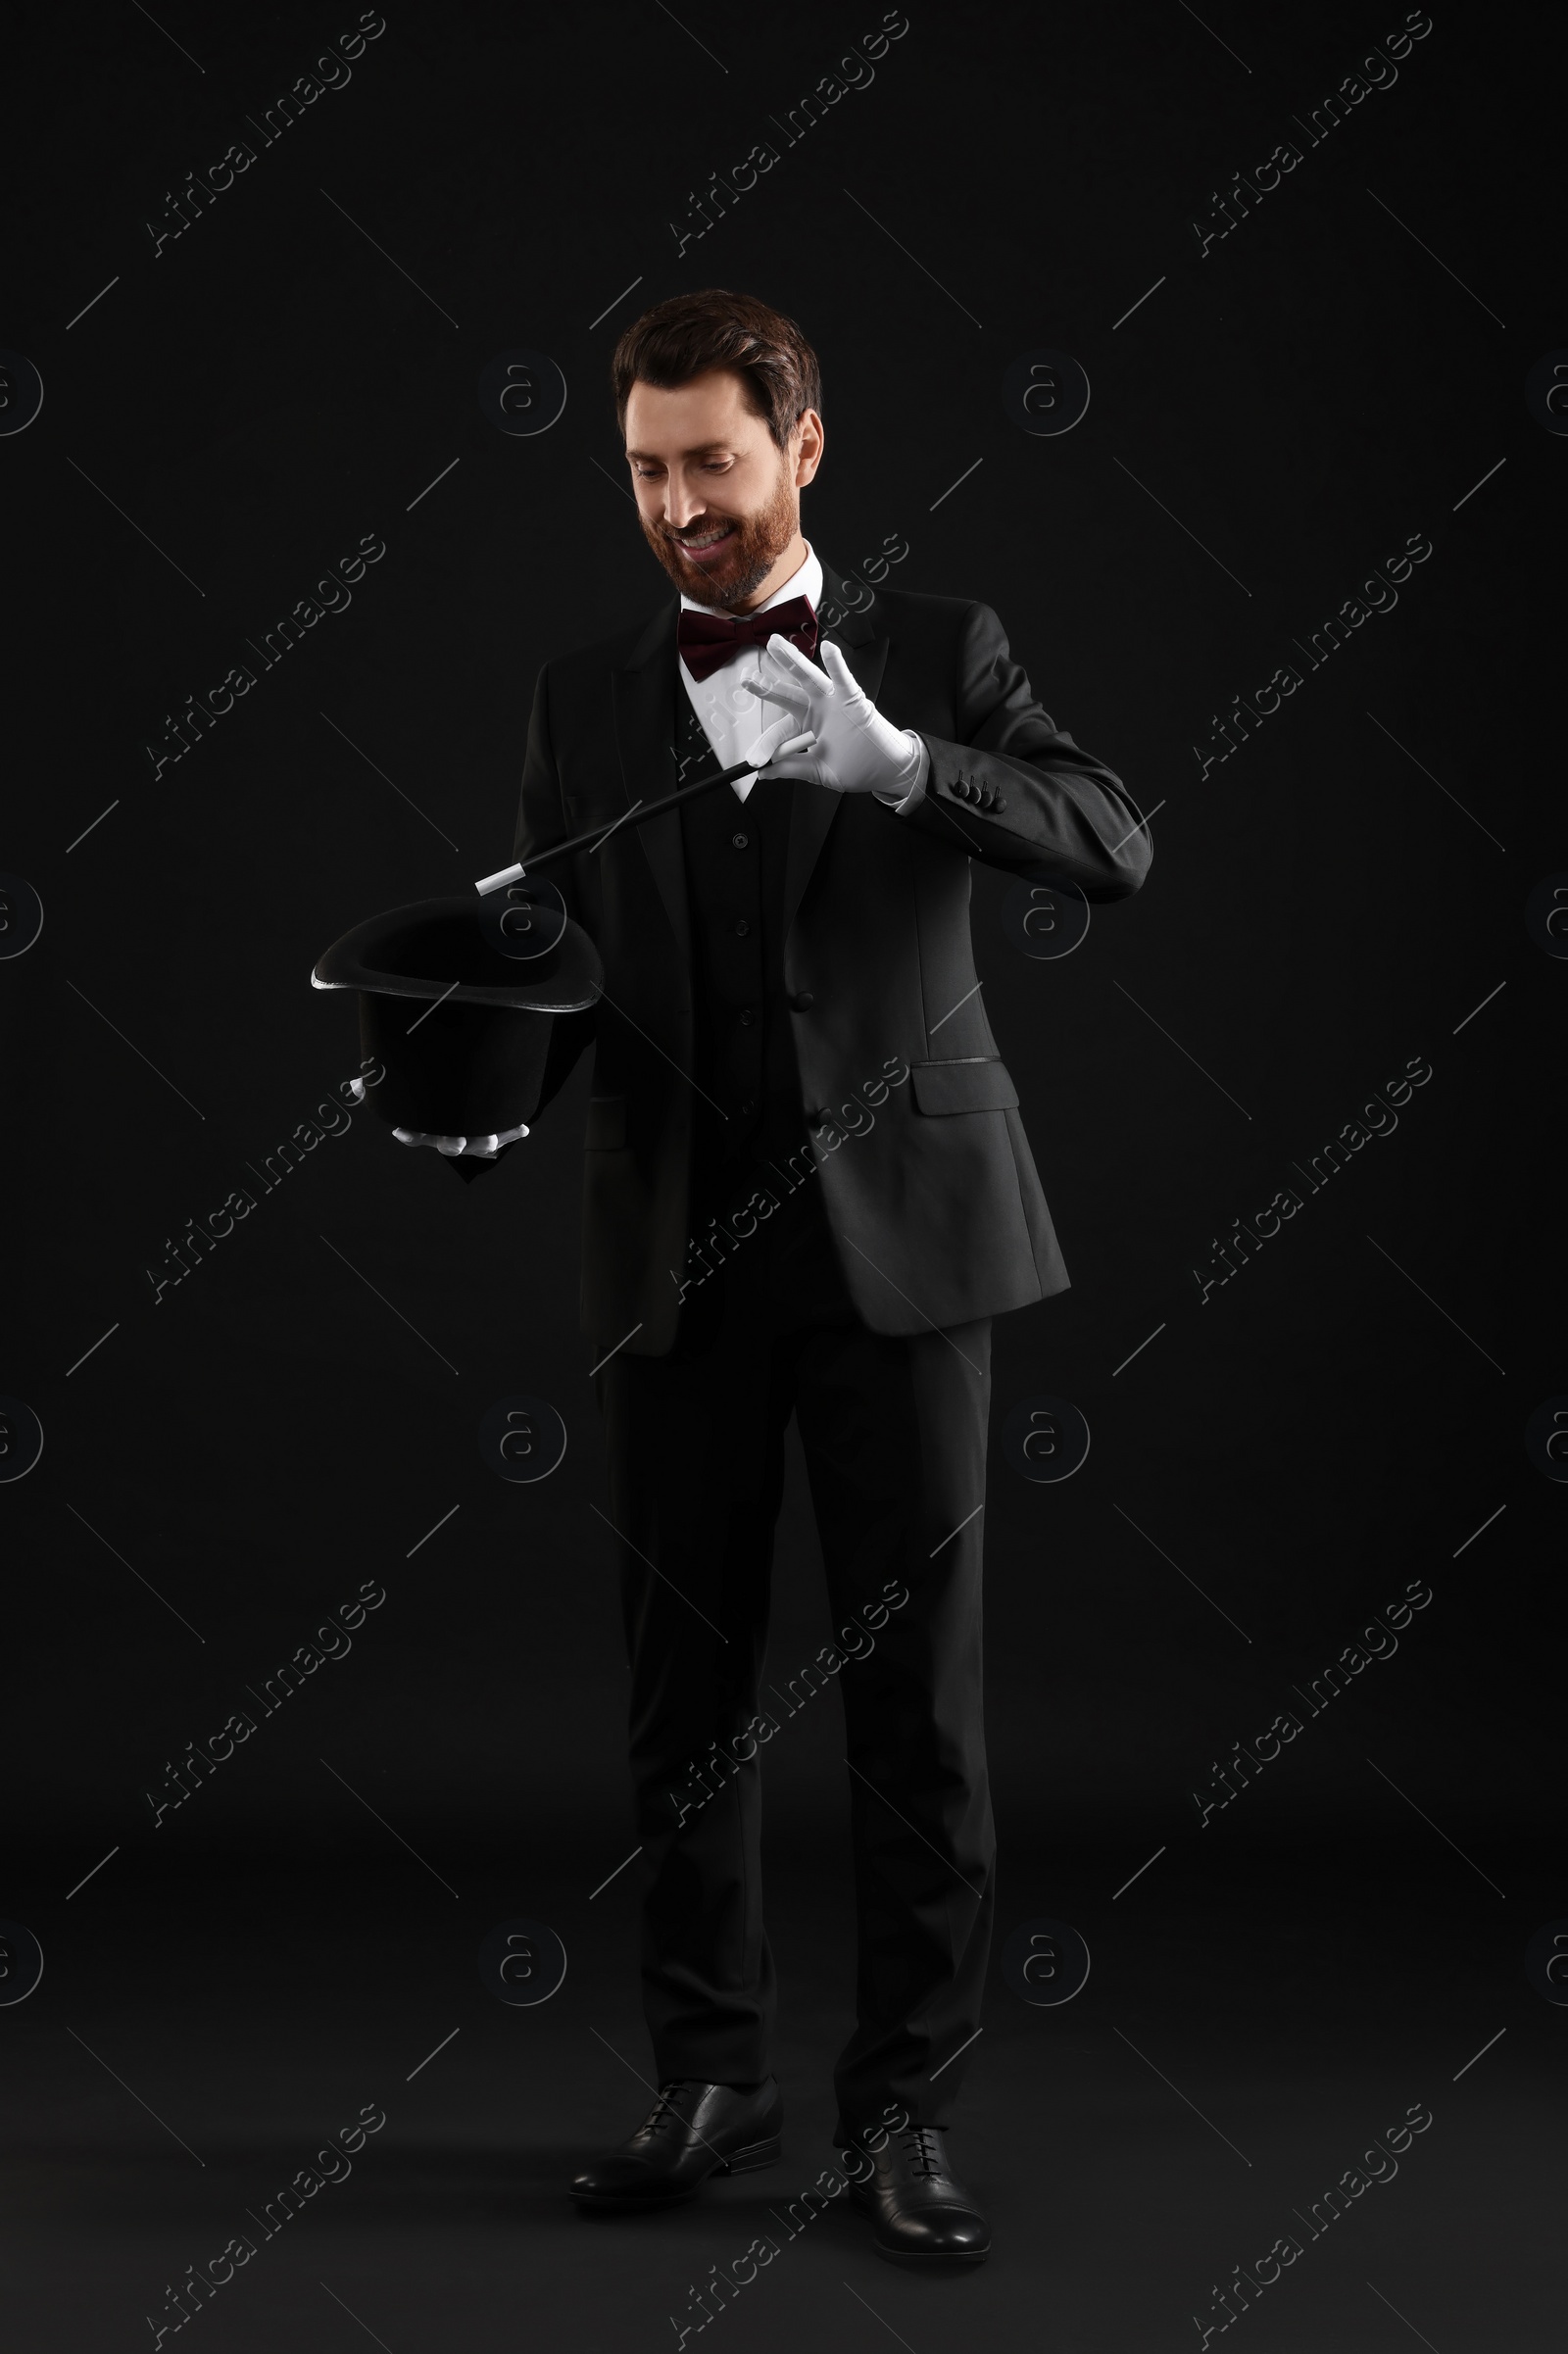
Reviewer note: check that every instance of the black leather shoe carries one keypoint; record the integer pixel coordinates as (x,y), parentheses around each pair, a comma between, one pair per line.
(693,2130)
(920,2213)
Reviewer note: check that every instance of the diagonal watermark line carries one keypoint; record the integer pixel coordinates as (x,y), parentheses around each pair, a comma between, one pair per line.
(1442,787)
(1426,249)
(429,486)
(1181,1050)
(98,820)
(914,1826)
(621,820)
(904,249)
(1139,827)
(387,257)
(1397,2315)
(1443,1835)
(1441,1312)
(642,2080)
(953,486)
(610,479)
(136,527)
(430,1008)
(135,1050)
(870,2309)
(137,2096)
(349,2310)
(1479,2055)
(431,2055)
(619,1344)
(1139,1873)
(385,779)
(658,1573)
(386,1303)
(397,1835)
(86,1876)
(429,1532)
(1181,527)
(958,1532)
(1480,1009)
(87,1352)
(615,1875)
(135,1572)
(86,307)
(701,45)
(1141,299)
(908,1302)
(1181,2095)
(1138,1352)
(620,298)
(953,1009)
(1181,1573)
(670,1058)
(1481,1532)
(958,2055)
(1481,485)
(168,36)
(1214,36)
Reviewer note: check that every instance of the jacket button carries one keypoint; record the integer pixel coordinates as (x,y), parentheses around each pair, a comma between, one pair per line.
(998,804)
(742,928)
(801,1002)
(963,789)
(739,841)
(748,1017)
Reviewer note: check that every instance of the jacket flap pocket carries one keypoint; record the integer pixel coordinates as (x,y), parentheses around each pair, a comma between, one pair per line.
(606,1124)
(978,1083)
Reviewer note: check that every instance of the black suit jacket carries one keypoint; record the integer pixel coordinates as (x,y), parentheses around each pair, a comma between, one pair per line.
(926,1173)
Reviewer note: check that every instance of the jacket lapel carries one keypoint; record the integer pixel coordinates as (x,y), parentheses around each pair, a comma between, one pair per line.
(644,705)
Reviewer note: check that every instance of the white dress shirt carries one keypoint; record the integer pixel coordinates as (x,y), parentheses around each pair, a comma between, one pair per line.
(733,719)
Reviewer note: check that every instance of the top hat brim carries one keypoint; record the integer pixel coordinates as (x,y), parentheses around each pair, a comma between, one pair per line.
(434,948)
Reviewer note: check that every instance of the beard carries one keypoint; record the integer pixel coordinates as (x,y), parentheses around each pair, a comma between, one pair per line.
(755,546)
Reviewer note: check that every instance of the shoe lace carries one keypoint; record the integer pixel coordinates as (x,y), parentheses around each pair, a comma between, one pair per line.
(665,2111)
(923,2148)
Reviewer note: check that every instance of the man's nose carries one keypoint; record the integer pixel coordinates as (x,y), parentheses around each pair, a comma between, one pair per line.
(682,505)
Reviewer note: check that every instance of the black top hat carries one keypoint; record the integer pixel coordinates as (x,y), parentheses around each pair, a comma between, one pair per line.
(461,1025)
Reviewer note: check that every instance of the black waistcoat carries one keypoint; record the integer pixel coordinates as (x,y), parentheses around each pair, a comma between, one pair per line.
(736,852)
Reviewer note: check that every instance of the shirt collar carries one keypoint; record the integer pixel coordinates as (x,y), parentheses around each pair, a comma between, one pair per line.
(804,581)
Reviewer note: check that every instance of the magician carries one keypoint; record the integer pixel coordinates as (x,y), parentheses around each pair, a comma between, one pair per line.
(808,1191)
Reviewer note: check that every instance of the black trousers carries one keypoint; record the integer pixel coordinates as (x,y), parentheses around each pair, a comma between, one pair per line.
(894,1435)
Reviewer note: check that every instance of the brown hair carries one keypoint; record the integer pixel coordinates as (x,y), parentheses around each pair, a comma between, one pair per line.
(678,339)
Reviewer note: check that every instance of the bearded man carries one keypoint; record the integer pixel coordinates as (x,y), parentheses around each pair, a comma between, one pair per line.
(808,1192)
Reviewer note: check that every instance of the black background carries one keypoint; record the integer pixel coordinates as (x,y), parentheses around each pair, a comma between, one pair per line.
(1278,416)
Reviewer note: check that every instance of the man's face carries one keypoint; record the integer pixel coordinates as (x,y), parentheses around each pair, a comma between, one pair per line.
(719,501)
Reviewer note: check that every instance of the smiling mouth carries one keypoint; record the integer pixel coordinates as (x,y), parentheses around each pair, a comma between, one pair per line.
(711,539)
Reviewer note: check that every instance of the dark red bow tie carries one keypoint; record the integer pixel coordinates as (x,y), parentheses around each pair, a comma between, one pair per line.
(708,641)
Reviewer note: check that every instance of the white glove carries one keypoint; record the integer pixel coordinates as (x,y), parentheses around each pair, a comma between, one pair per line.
(479,1148)
(856,750)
